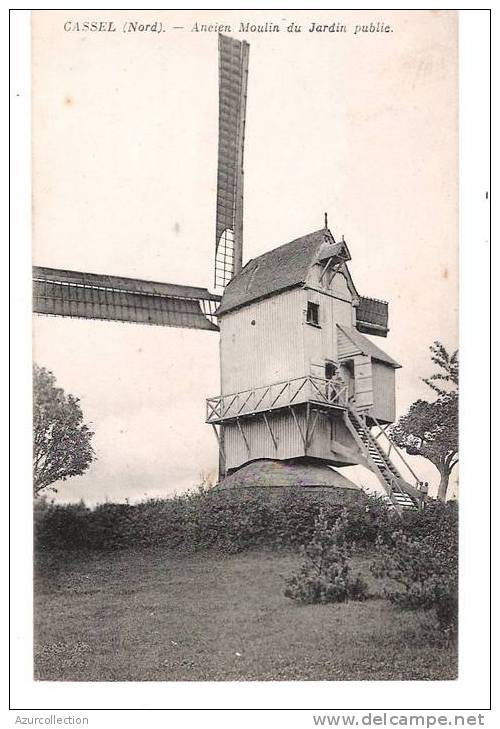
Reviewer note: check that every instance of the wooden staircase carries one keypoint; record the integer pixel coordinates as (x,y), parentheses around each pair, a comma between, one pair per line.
(401,494)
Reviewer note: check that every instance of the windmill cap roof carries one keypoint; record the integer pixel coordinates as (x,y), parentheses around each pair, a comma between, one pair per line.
(277,270)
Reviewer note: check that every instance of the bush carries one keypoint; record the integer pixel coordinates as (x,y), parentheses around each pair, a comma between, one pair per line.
(446,602)
(357,588)
(364,524)
(421,559)
(298,515)
(231,521)
(438,521)
(204,519)
(228,520)
(61,526)
(324,576)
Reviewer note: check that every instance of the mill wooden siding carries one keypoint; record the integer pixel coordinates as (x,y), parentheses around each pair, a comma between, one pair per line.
(281,345)
(363,381)
(320,343)
(271,350)
(261,445)
(288,439)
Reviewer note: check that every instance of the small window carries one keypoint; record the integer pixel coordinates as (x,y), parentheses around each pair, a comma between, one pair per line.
(312,313)
(330,370)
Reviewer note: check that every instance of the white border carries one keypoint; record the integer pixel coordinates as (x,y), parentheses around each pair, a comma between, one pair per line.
(471,691)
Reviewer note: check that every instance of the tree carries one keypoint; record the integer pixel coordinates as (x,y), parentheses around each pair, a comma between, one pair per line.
(430,429)
(61,440)
(448,363)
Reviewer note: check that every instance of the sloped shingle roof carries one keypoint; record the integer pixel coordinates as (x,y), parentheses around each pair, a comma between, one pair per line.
(274,271)
(366,346)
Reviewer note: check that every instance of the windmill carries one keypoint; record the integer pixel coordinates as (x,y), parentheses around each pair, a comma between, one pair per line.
(302,388)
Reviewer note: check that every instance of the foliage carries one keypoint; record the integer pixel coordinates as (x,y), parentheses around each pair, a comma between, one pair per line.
(365,522)
(229,521)
(324,576)
(437,524)
(423,566)
(448,369)
(430,429)
(61,440)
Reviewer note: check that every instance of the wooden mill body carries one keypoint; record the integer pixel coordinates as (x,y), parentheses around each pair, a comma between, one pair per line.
(292,356)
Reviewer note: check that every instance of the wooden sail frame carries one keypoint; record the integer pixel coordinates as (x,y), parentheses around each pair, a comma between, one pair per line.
(81,295)
(233,81)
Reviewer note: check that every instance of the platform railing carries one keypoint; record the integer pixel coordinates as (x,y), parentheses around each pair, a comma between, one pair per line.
(332,393)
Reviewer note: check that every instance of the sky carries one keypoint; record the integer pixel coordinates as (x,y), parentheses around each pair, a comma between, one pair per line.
(124,171)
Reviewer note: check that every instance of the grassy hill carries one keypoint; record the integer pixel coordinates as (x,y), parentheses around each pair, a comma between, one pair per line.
(162,615)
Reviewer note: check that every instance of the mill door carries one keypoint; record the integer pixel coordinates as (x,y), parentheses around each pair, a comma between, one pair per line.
(347,372)
(363,382)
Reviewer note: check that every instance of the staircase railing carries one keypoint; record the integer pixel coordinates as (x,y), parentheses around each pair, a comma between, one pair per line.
(389,480)
(393,446)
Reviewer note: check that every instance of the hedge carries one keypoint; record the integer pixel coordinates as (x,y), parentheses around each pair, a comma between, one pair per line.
(231,521)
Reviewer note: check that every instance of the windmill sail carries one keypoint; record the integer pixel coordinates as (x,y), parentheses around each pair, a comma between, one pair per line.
(95,296)
(233,78)
(115,298)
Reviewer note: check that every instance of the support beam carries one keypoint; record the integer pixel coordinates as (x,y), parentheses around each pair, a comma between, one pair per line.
(335,271)
(306,437)
(313,427)
(243,436)
(273,437)
(325,269)
(298,427)
(222,455)
(382,431)
(417,480)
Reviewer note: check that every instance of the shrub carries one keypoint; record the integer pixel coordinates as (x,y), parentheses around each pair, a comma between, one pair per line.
(357,588)
(231,521)
(298,515)
(438,521)
(324,576)
(446,602)
(423,568)
(367,522)
(61,526)
(363,521)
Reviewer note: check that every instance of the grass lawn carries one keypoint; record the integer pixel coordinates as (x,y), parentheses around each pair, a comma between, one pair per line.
(158,616)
